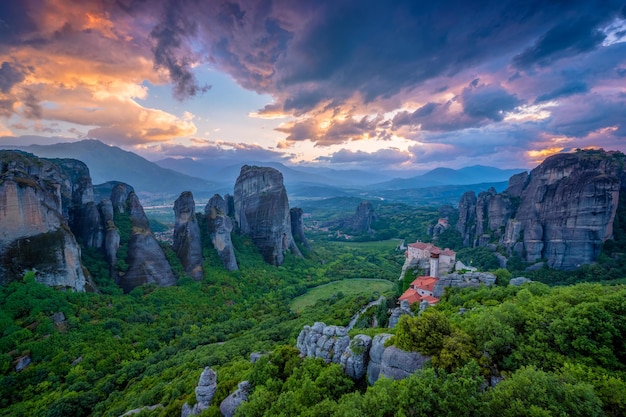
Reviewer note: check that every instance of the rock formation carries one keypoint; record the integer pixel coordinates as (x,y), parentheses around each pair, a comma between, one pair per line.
(360,355)
(262,212)
(230,403)
(399,364)
(376,357)
(146,261)
(205,391)
(297,227)
(396,313)
(187,242)
(35,199)
(563,211)
(220,227)
(354,359)
(468,279)
(321,341)
(360,223)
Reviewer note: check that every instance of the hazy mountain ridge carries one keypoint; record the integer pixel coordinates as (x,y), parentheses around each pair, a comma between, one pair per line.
(110,163)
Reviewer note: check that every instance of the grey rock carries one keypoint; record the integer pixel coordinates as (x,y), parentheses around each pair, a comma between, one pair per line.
(147,263)
(376,357)
(325,342)
(519,281)
(399,364)
(22,362)
(220,227)
(36,199)
(262,212)
(297,226)
(398,312)
(58,317)
(467,279)
(205,391)
(230,403)
(355,358)
(187,242)
(139,410)
(255,356)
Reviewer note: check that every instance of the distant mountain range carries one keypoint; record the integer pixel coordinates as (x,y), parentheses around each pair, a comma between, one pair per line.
(108,163)
(169,177)
(475,174)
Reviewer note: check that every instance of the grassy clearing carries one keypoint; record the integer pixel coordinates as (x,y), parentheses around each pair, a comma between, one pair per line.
(347,286)
(379,245)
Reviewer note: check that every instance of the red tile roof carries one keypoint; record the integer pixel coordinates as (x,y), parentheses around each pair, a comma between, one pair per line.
(425,283)
(432,248)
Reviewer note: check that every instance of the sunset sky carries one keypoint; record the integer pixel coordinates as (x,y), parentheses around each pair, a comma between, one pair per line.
(402,85)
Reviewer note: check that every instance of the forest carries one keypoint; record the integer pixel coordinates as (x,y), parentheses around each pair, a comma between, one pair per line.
(536,350)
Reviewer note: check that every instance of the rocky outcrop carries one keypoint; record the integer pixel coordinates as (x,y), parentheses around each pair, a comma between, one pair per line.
(205,391)
(354,359)
(399,364)
(35,200)
(468,279)
(360,223)
(230,403)
(563,211)
(359,356)
(220,227)
(325,342)
(146,260)
(297,227)
(187,242)
(396,313)
(376,357)
(517,281)
(262,212)
(111,242)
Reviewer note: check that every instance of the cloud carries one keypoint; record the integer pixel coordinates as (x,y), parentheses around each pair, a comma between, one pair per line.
(383,157)
(567,38)
(570,88)
(214,151)
(487,101)
(9,76)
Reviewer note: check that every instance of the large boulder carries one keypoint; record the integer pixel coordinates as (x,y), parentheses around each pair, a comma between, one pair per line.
(230,403)
(297,226)
(467,279)
(220,227)
(262,212)
(399,364)
(187,242)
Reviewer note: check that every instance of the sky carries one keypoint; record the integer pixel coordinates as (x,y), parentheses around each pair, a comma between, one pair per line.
(378,85)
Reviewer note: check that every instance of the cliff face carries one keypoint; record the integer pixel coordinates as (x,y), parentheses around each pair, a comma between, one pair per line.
(147,263)
(35,201)
(262,212)
(187,242)
(563,211)
(220,227)
(297,226)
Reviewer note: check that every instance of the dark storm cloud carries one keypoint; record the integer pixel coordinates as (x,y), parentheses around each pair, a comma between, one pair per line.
(9,76)
(570,37)
(588,114)
(170,53)
(487,101)
(568,89)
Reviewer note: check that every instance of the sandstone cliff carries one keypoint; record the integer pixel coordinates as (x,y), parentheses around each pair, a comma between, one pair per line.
(262,212)
(220,227)
(187,242)
(563,211)
(297,227)
(360,223)
(36,196)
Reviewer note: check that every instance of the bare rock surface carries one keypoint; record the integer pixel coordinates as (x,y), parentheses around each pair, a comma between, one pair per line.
(230,403)
(220,227)
(187,242)
(262,212)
